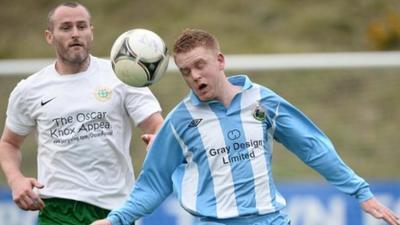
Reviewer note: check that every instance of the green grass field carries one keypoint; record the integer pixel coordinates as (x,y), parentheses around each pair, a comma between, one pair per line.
(358,109)
(268,26)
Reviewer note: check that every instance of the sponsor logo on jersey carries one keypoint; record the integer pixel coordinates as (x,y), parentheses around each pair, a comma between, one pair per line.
(237,151)
(233,134)
(103,94)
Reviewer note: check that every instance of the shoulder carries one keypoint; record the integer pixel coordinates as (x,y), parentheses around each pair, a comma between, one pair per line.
(265,93)
(179,112)
(184,115)
(263,89)
(102,62)
(103,65)
(260,96)
(258,93)
(104,73)
(30,82)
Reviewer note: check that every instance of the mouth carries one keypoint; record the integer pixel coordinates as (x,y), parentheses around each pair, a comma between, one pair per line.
(75,44)
(202,87)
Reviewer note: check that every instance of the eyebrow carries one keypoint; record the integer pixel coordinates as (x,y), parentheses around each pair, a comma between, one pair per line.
(74,22)
(79,21)
(201,60)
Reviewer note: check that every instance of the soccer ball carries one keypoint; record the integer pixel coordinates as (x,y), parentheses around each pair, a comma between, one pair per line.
(139,57)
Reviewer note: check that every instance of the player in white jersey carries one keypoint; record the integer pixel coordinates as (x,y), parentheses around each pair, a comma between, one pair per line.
(214,149)
(83,116)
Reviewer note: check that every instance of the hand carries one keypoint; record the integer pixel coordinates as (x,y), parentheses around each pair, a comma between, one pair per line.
(101,222)
(23,194)
(148,139)
(379,211)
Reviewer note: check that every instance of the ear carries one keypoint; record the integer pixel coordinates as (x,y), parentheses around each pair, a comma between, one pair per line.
(48,35)
(92,28)
(221,60)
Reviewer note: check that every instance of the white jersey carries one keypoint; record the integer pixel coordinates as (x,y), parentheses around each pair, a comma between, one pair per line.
(84,126)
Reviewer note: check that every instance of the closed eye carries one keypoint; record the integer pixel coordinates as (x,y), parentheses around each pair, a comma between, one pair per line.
(185,71)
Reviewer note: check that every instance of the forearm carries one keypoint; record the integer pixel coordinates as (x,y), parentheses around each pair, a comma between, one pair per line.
(313,147)
(135,207)
(152,124)
(334,170)
(148,193)
(10,161)
(154,183)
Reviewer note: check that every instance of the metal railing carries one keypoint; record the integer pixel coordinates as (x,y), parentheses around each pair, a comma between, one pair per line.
(12,67)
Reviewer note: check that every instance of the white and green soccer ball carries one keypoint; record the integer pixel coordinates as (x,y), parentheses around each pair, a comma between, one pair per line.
(139,57)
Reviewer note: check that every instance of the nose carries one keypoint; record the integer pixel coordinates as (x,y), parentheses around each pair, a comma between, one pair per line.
(196,75)
(75,32)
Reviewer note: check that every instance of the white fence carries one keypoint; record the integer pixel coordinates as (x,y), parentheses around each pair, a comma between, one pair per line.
(12,67)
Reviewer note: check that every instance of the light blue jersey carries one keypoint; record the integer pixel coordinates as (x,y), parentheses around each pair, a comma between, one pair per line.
(218,160)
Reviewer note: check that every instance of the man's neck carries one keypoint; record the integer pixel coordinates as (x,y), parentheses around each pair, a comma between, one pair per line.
(64,67)
(228,93)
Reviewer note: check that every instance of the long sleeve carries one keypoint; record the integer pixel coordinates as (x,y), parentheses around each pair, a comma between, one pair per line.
(302,137)
(154,183)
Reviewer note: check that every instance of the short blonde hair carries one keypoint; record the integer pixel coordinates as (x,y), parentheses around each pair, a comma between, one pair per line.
(193,38)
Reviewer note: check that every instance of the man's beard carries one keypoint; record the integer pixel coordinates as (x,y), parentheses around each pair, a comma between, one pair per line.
(75,58)
(70,56)
(79,58)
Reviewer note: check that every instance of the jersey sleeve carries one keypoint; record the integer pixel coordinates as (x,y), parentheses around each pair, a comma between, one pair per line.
(154,183)
(302,137)
(18,118)
(140,104)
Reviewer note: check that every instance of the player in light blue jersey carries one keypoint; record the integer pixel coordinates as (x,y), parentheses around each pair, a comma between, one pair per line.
(214,149)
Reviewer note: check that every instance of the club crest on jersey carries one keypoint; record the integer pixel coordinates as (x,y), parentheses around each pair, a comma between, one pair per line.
(259,112)
(103,94)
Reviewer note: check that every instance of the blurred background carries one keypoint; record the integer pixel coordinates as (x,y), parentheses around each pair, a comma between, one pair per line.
(358,108)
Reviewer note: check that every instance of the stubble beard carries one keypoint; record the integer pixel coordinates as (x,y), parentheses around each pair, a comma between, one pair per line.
(70,62)
(75,59)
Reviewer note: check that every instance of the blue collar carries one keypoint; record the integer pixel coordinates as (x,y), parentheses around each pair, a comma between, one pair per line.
(237,80)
